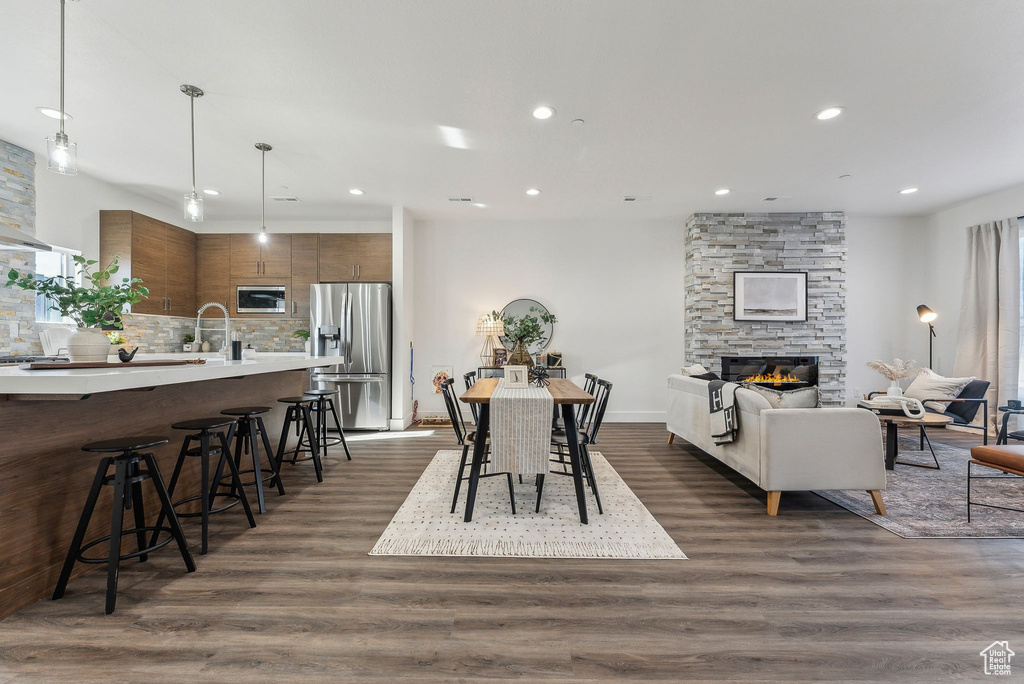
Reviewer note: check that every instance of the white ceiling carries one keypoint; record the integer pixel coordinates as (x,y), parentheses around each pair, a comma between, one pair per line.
(680,97)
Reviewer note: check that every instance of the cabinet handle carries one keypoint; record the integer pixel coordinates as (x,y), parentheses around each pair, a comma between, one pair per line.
(170,305)
(353,271)
(293,307)
(359,271)
(257,268)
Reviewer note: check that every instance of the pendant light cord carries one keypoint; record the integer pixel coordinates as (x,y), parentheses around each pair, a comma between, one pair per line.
(192,111)
(61,66)
(263,196)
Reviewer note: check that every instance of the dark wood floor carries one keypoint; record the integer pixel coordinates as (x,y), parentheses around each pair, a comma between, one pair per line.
(815,594)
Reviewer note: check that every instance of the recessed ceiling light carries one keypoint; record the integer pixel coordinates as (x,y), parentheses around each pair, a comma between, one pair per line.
(53,113)
(480,205)
(213,193)
(722,191)
(532,192)
(908,191)
(828,113)
(543,112)
(844,176)
(577,122)
(355,191)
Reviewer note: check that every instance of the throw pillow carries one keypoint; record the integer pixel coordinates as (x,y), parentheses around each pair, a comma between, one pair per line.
(695,369)
(706,376)
(805,397)
(931,385)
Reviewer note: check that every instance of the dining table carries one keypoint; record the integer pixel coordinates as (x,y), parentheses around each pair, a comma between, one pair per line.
(567,396)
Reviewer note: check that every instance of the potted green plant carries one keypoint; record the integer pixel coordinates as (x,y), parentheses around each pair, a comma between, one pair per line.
(186,342)
(524,331)
(96,302)
(303,335)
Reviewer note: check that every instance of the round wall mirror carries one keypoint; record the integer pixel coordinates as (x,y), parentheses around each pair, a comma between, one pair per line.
(520,309)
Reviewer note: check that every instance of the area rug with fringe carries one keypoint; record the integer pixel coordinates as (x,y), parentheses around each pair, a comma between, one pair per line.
(933,503)
(423,525)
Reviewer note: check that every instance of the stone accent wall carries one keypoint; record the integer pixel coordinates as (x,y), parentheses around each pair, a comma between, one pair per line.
(719,244)
(18,210)
(162,334)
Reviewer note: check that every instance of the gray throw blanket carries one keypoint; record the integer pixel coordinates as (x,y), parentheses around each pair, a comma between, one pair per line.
(725,419)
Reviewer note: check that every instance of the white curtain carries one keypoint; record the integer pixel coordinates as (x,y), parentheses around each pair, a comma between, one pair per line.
(988,342)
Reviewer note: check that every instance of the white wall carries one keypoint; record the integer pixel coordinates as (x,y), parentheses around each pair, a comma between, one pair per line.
(67,208)
(883,286)
(403,287)
(616,288)
(945,261)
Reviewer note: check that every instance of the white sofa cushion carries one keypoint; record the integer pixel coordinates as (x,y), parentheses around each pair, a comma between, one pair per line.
(931,385)
(805,397)
(695,369)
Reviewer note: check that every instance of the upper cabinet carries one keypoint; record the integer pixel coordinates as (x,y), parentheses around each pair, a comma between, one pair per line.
(305,271)
(252,259)
(348,257)
(162,255)
(213,276)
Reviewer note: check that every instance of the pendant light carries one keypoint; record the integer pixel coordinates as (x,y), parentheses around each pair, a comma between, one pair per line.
(193,202)
(264,148)
(61,154)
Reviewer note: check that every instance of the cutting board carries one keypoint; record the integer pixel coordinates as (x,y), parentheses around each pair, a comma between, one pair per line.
(101,364)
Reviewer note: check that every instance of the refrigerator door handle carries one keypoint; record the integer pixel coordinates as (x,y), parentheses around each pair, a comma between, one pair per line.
(348,342)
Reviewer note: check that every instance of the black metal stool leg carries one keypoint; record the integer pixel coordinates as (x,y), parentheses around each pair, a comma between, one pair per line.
(274,465)
(140,514)
(341,431)
(317,464)
(83,524)
(172,517)
(182,455)
(116,525)
(283,442)
(204,488)
(225,457)
(235,480)
(257,473)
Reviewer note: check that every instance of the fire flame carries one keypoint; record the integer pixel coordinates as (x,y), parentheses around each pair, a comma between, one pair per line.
(777,378)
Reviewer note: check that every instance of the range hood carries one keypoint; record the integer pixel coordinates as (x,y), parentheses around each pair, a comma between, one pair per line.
(12,239)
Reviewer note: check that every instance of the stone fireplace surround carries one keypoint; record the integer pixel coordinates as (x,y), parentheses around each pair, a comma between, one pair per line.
(717,245)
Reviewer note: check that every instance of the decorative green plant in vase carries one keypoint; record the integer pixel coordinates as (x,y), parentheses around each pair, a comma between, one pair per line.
(303,334)
(96,302)
(525,331)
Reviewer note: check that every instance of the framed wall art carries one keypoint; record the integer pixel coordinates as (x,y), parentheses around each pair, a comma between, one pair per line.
(769,296)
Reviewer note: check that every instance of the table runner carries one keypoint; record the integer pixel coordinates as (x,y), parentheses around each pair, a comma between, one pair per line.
(520,429)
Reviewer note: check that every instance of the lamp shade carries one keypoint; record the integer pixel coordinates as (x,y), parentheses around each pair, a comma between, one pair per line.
(486,324)
(925,314)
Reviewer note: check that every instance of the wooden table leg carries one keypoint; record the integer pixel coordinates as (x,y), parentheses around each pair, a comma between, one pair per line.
(572,441)
(479,448)
(891,445)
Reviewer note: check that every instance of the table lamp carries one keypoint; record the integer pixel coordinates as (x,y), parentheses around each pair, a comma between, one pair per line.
(927,316)
(490,328)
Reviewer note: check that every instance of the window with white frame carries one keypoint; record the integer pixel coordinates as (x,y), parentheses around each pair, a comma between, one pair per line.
(59,262)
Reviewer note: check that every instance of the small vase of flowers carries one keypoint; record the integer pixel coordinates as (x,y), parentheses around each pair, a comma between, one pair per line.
(525,331)
(894,372)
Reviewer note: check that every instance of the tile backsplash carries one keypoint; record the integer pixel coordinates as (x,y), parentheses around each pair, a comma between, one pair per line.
(162,334)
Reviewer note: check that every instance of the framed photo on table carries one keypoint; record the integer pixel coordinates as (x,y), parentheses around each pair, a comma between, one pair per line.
(499,356)
(517,377)
(778,296)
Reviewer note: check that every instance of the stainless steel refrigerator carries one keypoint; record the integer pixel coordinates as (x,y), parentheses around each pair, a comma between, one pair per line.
(353,322)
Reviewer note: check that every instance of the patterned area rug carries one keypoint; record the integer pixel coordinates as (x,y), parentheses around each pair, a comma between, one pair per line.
(933,503)
(424,527)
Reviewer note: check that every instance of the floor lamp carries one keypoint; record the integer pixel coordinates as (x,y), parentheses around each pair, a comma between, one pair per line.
(927,316)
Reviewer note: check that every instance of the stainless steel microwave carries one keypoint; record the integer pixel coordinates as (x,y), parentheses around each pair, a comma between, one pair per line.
(266,299)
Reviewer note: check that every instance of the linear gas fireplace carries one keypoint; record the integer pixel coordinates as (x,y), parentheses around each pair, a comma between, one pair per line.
(778,372)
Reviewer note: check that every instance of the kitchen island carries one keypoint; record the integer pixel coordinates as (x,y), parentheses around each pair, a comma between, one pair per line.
(47,415)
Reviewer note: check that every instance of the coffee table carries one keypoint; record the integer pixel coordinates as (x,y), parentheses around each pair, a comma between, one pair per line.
(892,425)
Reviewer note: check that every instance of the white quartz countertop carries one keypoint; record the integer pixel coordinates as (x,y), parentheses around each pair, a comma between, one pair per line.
(14,380)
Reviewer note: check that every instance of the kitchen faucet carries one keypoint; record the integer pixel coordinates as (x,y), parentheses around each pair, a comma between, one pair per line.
(227,323)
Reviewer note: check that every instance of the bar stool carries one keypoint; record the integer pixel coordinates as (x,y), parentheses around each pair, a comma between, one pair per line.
(299,413)
(249,431)
(127,488)
(324,403)
(207,432)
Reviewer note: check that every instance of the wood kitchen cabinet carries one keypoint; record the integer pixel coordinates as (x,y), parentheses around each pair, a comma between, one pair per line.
(347,257)
(252,259)
(213,268)
(305,271)
(162,255)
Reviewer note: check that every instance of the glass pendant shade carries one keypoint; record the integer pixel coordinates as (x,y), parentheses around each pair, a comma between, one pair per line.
(61,155)
(193,207)
(263,235)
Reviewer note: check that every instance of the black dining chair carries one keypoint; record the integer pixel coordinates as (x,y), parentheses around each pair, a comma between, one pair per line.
(587,435)
(466,440)
(470,380)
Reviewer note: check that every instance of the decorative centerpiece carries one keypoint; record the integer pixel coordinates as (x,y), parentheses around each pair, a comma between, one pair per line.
(90,306)
(539,376)
(524,331)
(304,336)
(186,343)
(896,371)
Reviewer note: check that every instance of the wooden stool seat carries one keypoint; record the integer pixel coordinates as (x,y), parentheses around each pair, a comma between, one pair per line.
(246,411)
(203,424)
(124,444)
